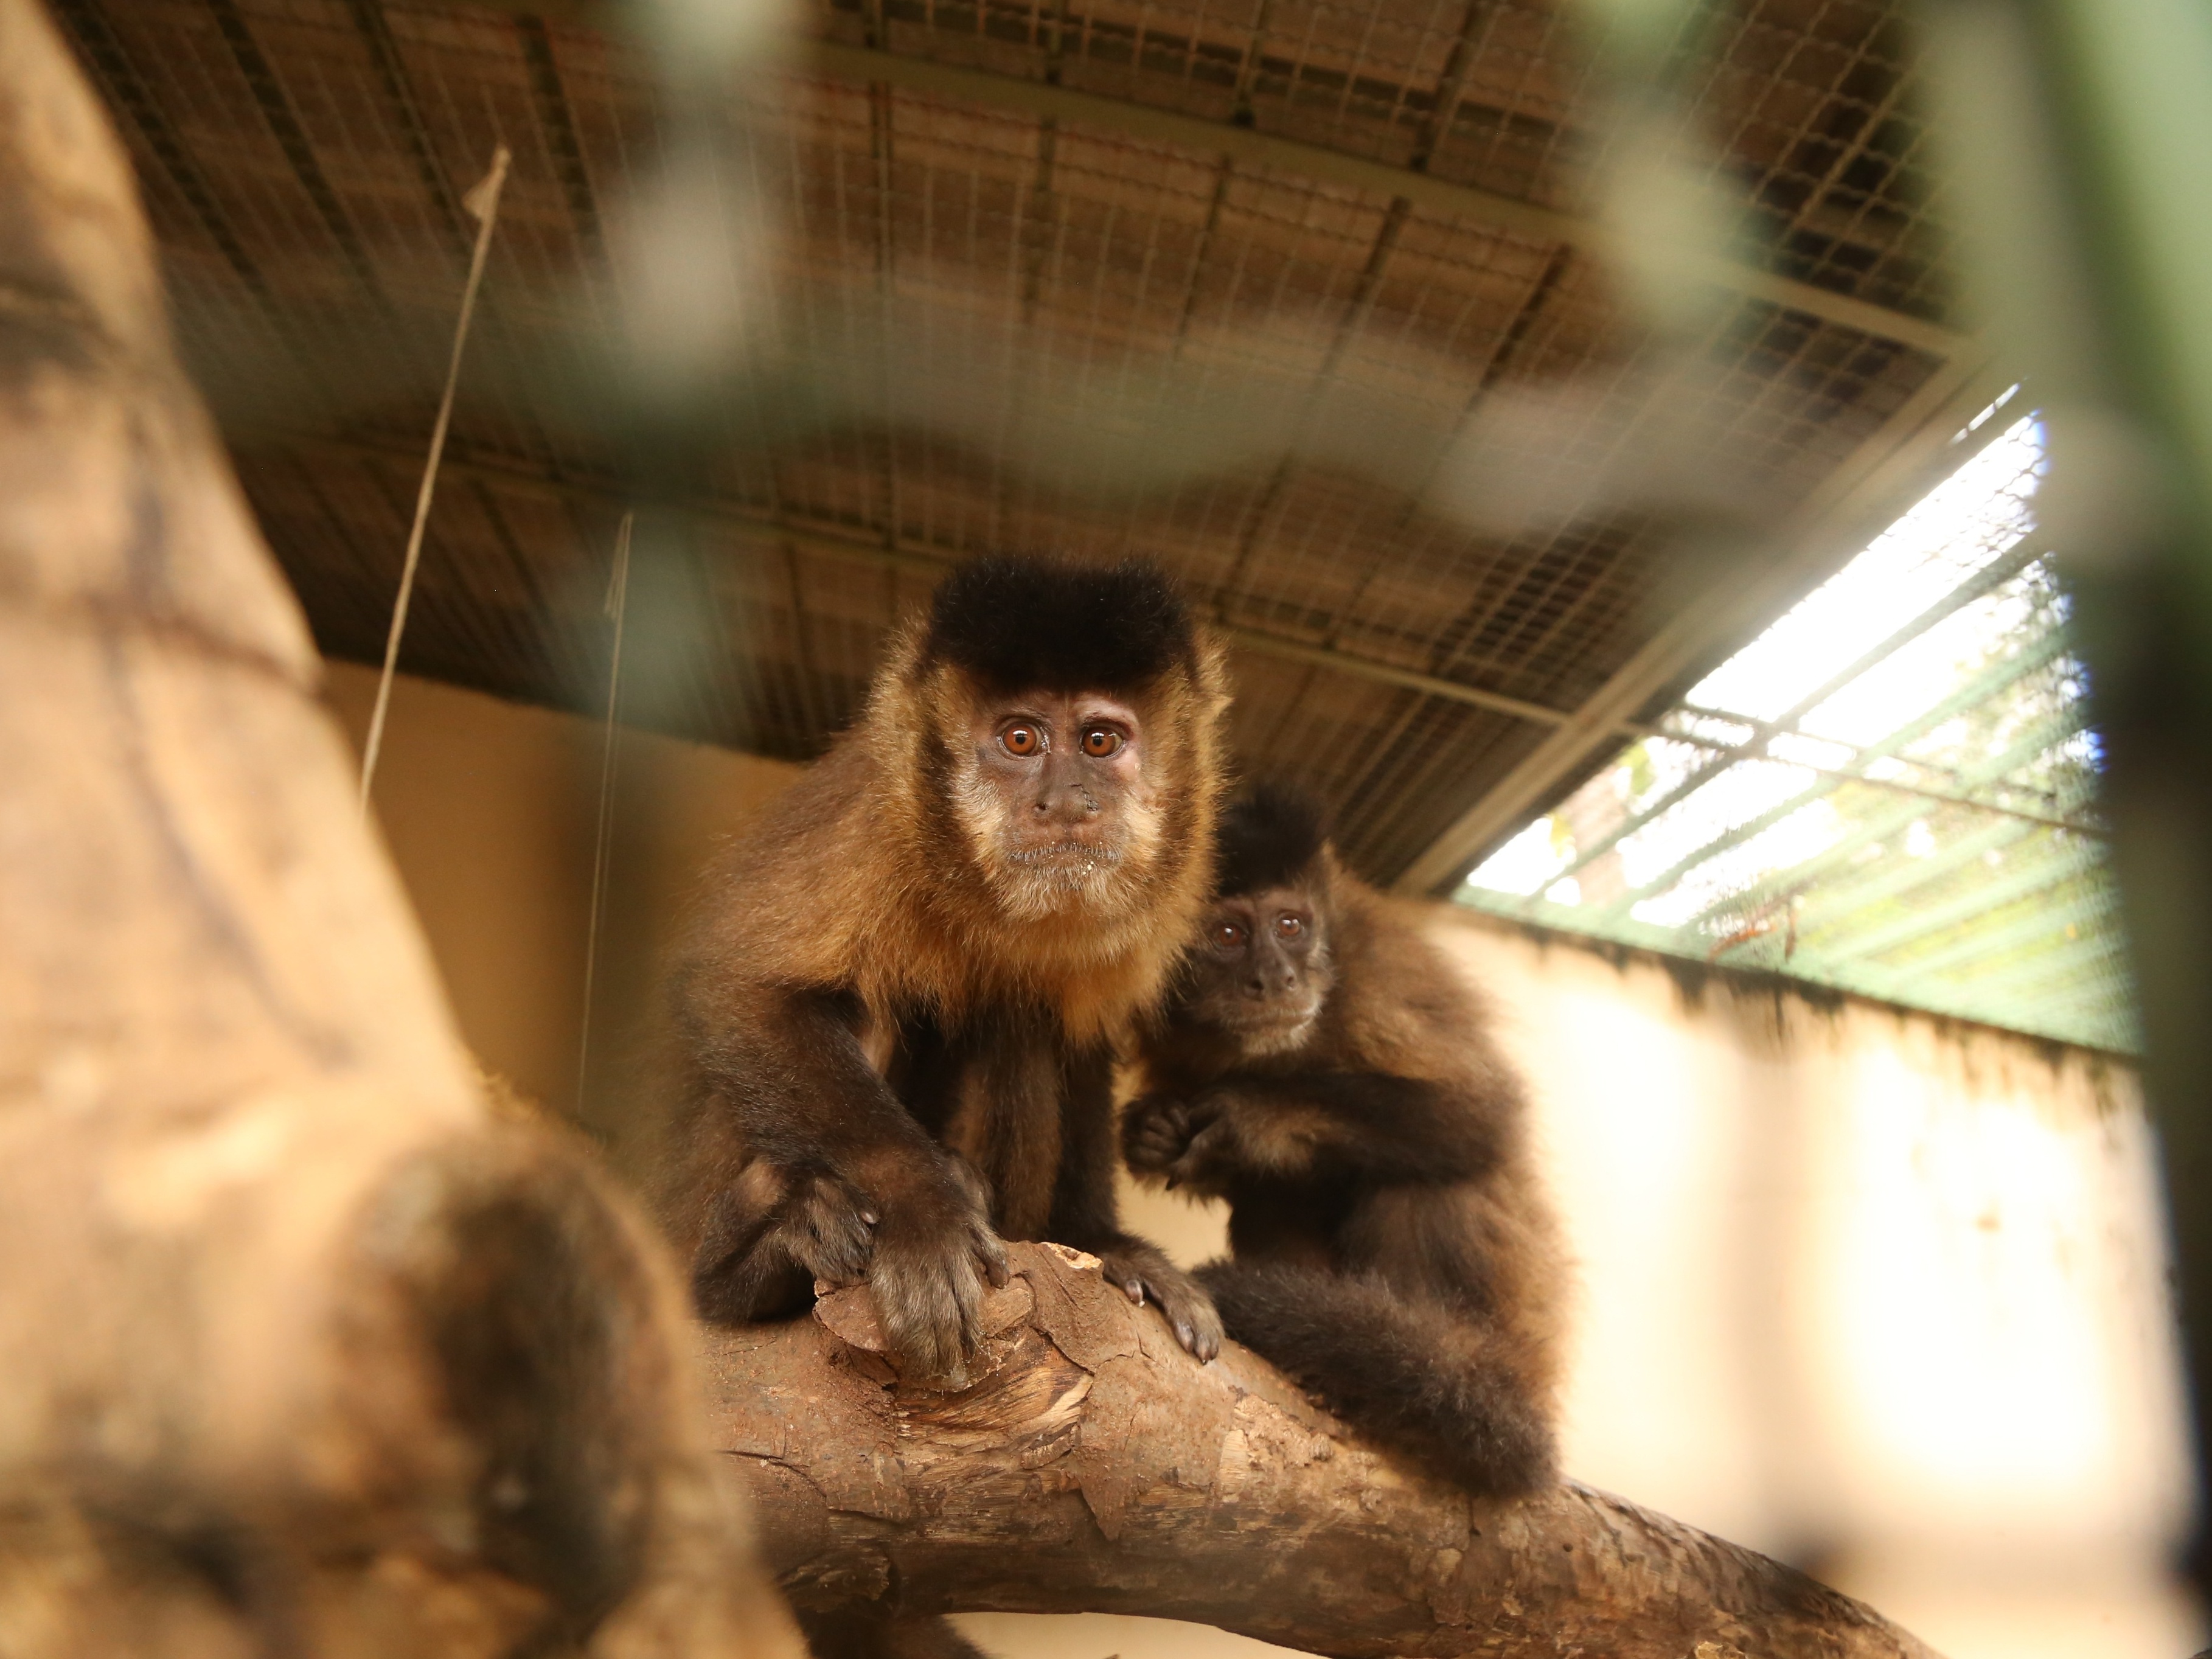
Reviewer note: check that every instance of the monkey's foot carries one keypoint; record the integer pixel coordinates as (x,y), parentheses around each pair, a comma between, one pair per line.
(1144,1274)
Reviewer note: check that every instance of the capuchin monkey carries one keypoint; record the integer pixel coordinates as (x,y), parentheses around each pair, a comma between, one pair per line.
(1321,1067)
(896,1009)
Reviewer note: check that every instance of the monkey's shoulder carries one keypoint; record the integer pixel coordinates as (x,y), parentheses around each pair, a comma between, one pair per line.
(1385,940)
(784,902)
(1402,1003)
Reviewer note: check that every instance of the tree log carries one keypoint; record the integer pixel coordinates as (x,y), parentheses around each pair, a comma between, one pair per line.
(305,1352)
(1093,1466)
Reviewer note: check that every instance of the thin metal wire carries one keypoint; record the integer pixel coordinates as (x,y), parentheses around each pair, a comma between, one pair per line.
(618,607)
(483,202)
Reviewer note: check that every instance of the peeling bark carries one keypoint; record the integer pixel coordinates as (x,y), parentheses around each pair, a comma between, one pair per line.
(1093,1466)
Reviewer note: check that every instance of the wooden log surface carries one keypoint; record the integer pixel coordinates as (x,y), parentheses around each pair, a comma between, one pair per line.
(1093,1466)
(305,1352)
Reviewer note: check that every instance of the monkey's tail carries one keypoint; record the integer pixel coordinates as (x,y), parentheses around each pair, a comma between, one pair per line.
(1421,1379)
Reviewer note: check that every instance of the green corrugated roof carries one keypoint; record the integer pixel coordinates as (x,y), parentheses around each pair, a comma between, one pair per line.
(1892,791)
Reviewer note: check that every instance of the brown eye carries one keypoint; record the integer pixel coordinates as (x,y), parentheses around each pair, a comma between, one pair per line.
(1290,926)
(1101,741)
(1021,739)
(1228,935)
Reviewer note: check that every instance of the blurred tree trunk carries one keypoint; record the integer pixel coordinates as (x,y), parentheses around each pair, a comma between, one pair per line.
(304,1353)
(1094,1466)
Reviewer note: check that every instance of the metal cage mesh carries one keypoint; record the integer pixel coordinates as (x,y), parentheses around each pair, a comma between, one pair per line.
(996,331)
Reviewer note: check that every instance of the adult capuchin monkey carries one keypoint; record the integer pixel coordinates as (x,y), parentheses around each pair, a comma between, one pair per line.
(896,1009)
(1321,1067)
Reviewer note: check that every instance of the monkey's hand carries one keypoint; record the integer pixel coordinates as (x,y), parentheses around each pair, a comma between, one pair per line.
(1155,1132)
(1216,1150)
(825,1227)
(934,1248)
(1144,1274)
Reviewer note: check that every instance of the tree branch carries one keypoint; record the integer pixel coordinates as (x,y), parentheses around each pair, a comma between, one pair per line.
(1094,1466)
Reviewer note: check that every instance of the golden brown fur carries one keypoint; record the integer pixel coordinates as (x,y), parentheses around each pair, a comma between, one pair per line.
(873,982)
(1393,1249)
(860,876)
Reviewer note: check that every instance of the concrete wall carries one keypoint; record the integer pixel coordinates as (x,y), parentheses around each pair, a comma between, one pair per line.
(1870,1290)
(490,810)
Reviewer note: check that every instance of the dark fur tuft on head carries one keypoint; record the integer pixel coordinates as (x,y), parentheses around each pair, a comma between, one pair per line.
(1268,835)
(1022,625)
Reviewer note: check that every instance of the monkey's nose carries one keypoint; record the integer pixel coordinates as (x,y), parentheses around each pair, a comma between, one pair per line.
(1070,805)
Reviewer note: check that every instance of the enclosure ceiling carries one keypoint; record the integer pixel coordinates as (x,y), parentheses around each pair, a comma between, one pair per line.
(1242,289)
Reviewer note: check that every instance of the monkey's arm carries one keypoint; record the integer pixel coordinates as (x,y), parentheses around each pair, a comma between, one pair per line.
(1250,1126)
(811,1168)
(1085,1214)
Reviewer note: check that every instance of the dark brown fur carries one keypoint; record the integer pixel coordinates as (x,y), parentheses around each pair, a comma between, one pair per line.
(895,1047)
(1393,1250)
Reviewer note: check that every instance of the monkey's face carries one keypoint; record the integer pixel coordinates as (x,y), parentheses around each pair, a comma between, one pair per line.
(1260,969)
(1058,803)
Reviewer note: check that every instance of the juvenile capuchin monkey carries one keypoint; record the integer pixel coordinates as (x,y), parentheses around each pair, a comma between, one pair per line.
(1321,1067)
(897,1011)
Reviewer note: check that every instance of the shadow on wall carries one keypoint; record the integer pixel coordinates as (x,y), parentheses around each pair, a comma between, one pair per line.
(1866,1290)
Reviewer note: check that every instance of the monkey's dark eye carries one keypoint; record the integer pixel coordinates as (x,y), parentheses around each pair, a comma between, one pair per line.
(1228,935)
(1101,741)
(1290,926)
(1021,739)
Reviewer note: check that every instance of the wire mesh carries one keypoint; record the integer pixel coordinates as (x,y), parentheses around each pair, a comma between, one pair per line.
(987,331)
(1892,791)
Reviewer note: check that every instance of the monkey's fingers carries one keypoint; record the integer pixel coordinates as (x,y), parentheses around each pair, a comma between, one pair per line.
(991,1251)
(1188,1311)
(1145,1275)
(930,1303)
(832,1231)
(1200,1163)
(1154,1133)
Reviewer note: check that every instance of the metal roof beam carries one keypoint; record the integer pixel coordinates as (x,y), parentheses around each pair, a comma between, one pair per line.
(1253,148)
(2046,923)
(1984,899)
(1047,101)
(1850,507)
(1726,754)
(906,556)
(2040,738)
(1836,902)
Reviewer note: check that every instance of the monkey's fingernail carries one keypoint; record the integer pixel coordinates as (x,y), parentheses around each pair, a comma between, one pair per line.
(1185,1335)
(1135,1289)
(870,1217)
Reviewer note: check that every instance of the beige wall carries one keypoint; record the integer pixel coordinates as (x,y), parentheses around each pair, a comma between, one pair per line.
(1876,1292)
(1862,1288)
(490,810)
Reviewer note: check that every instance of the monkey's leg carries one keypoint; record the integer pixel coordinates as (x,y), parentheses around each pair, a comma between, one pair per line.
(771,1235)
(1436,1385)
(865,1633)
(1085,1212)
